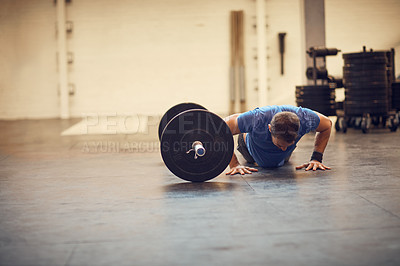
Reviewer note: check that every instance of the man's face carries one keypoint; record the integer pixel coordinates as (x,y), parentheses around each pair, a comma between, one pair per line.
(280,143)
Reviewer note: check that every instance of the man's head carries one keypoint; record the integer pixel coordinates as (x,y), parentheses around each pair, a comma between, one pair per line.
(284,128)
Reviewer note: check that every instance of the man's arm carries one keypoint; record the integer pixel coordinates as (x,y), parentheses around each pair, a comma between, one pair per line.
(234,164)
(323,133)
(321,140)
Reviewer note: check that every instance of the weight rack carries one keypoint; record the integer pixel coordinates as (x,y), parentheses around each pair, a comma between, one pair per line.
(372,97)
(321,95)
(367,78)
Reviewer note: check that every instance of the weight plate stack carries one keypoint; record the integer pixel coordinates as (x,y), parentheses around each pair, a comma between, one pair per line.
(366,83)
(396,96)
(320,98)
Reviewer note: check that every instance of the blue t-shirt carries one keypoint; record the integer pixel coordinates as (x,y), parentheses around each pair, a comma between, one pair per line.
(259,141)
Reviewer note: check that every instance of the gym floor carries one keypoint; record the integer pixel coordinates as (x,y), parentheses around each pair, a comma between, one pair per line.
(110,200)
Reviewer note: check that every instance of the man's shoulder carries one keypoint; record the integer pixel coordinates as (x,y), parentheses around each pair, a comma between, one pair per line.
(277,108)
(267,112)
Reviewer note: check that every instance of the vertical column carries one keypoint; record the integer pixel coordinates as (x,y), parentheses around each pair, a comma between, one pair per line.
(261,53)
(314,27)
(62,59)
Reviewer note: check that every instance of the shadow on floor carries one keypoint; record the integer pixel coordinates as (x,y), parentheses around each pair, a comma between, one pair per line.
(205,187)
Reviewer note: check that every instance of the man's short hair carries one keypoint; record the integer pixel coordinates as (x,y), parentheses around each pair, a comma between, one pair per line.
(285,125)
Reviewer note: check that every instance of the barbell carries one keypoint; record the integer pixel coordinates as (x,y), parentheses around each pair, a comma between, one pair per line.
(196,144)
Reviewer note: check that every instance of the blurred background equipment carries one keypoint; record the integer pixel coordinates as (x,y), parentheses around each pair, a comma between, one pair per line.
(371,93)
(281,36)
(321,95)
(237,67)
(396,96)
(368,78)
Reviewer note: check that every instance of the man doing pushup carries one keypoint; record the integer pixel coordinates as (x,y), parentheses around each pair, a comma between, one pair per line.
(268,135)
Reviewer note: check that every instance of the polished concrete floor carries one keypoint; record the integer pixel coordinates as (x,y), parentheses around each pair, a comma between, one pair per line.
(110,200)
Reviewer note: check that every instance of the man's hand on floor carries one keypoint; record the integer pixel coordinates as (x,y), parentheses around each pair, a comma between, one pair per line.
(240,169)
(314,165)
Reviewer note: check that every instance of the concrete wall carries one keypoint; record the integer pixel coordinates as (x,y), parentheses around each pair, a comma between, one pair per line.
(145,56)
(352,24)
(28,74)
(284,16)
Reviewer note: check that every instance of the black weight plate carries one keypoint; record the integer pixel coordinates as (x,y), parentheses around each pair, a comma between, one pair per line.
(365,73)
(373,85)
(328,111)
(357,109)
(372,89)
(351,97)
(396,90)
(173,111)
(315,99)
(371,101)
(311,100)
(367,103)
(339,105)
(366,79)
(188,127)
(355,84)
(315,102)
(366,91)
(322,109)
(360,111)
(366,61)
(308,91)
(318,107)
(319,92)
(314,87)
(365,55)
(396,104)
(382,78)
(315,94)
(364,67)
(351,109)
